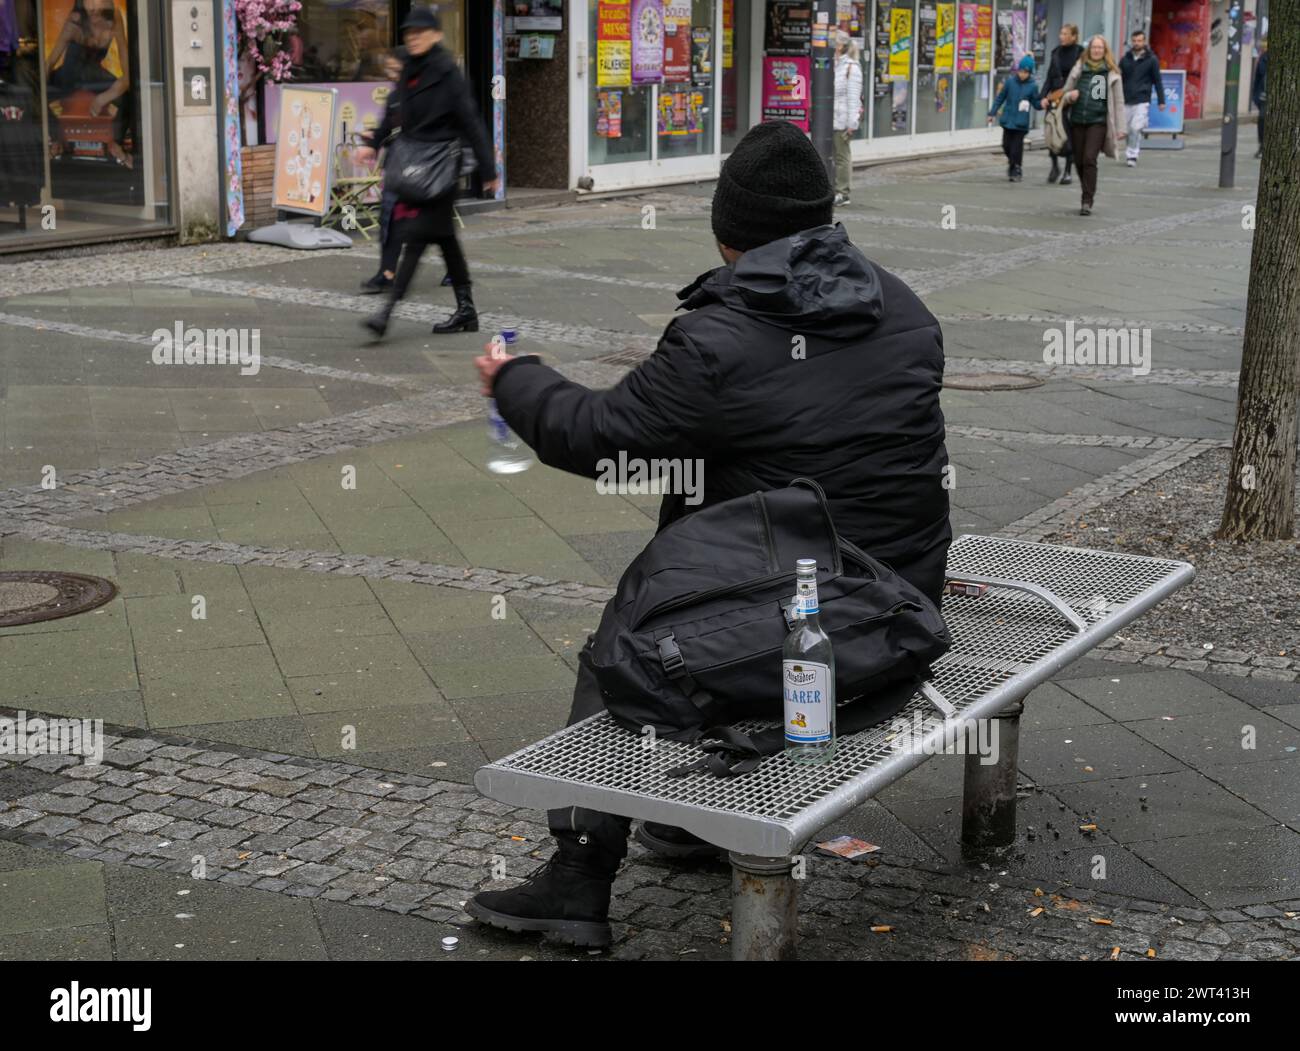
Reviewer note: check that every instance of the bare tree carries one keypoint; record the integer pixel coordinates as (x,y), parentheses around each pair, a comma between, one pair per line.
(1260,504)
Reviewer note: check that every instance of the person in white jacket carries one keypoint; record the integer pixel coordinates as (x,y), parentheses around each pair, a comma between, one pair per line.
(848,111)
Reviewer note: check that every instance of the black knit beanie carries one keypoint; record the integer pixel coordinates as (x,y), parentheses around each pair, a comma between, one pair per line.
(773,185)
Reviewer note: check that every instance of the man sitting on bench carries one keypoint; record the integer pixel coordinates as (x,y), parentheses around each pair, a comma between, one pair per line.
(798,358)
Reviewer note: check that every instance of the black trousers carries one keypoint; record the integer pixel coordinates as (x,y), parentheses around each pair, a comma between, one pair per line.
(430,226)
(1259,124)
(1013,145)
(1088,141)
(609,831)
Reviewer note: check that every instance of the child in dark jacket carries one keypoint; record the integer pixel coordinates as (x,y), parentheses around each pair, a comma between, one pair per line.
(1017,96)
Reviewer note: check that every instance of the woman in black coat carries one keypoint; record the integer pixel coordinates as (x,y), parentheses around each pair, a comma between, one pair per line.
(1058,68)
(434,105)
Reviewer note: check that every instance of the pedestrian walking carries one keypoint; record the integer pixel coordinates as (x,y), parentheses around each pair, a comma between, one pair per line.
(848,112)
(1258,86)
(1093,92)
(390,247)
(436,113)
(1140,72)
(1016,98)
(858,412)
(1064,56)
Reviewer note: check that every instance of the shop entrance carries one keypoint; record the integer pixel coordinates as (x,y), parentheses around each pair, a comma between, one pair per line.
(83,119)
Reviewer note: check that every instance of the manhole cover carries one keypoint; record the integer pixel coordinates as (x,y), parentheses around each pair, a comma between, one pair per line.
(990,381)
(29,596)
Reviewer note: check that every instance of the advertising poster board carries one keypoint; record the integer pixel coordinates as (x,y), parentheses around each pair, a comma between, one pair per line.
(614,44)
(900,42)
(304,150)
(967,32)
(1170,120)
(647,41)
(945,37)
(701,56)
(785,89)
(788,28)
(983,38)
(677,42)
(609,114)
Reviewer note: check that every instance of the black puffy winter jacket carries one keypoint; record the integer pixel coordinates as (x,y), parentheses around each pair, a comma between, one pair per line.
(802,359)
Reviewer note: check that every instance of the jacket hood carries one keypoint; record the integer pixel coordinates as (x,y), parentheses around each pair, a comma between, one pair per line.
(814,281)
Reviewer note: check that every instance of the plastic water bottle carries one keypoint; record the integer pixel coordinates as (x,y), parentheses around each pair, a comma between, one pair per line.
(506,453)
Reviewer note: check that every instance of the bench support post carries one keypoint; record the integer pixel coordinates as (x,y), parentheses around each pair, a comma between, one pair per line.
(988,809)
(764,908)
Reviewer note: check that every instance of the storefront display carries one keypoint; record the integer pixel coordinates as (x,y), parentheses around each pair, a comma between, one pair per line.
(82,118)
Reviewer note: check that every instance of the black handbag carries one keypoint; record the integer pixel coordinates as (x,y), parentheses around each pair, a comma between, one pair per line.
(417,171)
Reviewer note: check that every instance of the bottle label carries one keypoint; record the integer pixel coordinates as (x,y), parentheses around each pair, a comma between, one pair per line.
(498,429)
(808,702)
(805,597)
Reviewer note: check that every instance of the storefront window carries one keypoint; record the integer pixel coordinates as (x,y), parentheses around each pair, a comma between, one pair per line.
(736,53)
(83,117)
(892,87)
(974,47)
(685,117)
(619,115)
(935,60)
(340,42)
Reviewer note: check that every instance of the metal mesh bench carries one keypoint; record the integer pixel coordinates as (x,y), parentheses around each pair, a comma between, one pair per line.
(1030,609)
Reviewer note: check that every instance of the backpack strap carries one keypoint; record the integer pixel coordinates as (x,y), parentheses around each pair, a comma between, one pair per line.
(670,656)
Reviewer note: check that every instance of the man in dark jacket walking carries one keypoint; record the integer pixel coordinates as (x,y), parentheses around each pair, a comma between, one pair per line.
(800,357)
(1140,70)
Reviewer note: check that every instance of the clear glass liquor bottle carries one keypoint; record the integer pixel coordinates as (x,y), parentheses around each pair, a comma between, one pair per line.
(808,676)
(506,453)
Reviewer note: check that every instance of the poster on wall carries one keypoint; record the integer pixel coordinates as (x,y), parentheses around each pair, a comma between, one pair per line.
(614,44)
(647,41)
(1019,35)
(1040,31)
(785,89)
(900,42)
(898,120)
(945,36)
(681,113)
(304,150)
(677,41)
(728,34)
(701,56)
(788,30)
(609,114)
(1002,40)
(926,27)
(537,16)
(881,45)
(983,38)
(967,31)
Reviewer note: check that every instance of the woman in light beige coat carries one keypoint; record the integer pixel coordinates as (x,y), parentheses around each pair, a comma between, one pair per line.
(1094,92)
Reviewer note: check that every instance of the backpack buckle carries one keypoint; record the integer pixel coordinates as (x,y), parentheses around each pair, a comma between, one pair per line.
(671,657)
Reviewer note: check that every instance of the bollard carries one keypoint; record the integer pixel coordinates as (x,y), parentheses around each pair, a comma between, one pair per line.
(764,908)
(988,807)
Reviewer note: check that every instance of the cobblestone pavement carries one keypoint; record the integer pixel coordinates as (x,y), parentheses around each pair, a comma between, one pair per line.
(307,749)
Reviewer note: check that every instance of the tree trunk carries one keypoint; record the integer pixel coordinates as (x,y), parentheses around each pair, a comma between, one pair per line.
(1260,504)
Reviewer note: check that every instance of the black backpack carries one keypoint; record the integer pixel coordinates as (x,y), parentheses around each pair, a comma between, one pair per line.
(692,641)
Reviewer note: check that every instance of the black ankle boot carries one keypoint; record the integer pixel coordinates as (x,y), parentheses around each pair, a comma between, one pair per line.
(466,317)
(1065,175)
(1055,173)
(673,842)
(377,323)
(567,899)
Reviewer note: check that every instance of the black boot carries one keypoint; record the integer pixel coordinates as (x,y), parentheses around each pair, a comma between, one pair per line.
(377,323)
(1065,175)
(1055,173)
(466,317)
(673,842)
(567,899)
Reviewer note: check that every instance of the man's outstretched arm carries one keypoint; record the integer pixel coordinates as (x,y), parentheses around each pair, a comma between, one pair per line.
(666,407)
